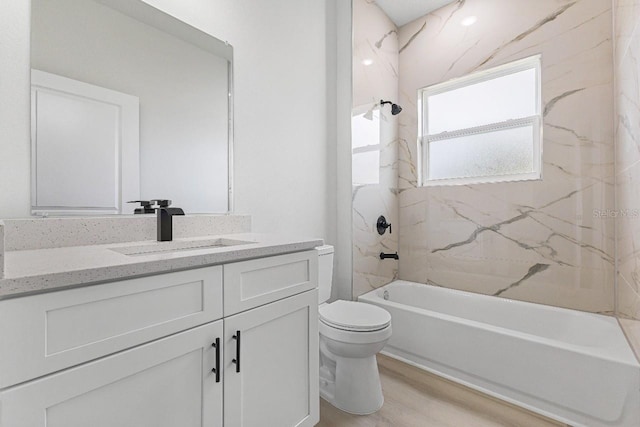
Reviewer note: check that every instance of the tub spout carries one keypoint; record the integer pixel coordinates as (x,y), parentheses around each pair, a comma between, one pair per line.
(392,256)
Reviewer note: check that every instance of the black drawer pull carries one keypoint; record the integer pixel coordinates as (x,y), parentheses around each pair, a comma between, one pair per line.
(216,370)
(237,359)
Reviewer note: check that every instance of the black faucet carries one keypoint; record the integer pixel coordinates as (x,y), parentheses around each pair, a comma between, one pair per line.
(165,219)
(145,207)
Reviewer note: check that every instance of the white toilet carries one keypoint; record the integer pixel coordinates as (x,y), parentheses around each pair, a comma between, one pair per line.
(351,334)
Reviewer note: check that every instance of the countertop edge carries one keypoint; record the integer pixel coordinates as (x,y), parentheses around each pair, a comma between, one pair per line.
(11,288)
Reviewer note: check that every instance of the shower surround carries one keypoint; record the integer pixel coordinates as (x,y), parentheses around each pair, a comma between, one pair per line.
(375,77)
(627,54)
(549,241)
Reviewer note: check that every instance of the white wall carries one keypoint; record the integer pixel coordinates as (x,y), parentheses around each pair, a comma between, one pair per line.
(182,91)
(280,107)
(339,84)
(280,97)
(15,190)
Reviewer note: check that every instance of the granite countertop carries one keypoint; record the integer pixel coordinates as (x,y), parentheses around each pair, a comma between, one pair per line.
(43,270)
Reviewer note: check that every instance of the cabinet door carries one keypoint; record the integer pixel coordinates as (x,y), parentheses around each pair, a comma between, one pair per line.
(166,383)
(271,364)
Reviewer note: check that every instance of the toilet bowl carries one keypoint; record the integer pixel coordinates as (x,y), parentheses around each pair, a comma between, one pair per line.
(351,334)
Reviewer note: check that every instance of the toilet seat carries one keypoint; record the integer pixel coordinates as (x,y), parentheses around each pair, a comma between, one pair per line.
(354,316)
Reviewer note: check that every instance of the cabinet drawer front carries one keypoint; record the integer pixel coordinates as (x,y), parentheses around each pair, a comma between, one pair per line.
(260,281)
(165,383)
(45,333)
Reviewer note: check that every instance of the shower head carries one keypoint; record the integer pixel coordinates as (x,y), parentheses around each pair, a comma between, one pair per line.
(395,108)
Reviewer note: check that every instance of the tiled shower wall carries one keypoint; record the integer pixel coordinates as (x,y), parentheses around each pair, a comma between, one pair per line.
(375,39)
(549,241)
(627,54)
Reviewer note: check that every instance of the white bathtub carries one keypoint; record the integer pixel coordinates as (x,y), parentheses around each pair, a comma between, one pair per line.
(568,365)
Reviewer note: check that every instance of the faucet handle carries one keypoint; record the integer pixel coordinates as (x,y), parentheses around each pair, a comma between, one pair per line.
(142,202)
(162,203)
(382,225)
(145,207)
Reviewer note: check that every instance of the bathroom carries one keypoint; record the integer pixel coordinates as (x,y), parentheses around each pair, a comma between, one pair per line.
(513,298)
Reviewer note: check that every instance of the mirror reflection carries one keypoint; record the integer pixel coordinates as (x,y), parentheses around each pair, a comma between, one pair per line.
(128,103)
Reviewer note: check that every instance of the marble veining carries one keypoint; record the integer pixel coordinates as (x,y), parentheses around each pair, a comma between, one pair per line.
(627,104)
(543,247)
(550,241)
(375,77)
(552,103)
(413,37)
(535,269)
(378,44)
(538,25)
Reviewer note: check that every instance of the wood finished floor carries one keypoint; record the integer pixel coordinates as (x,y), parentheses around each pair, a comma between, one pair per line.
(417,398)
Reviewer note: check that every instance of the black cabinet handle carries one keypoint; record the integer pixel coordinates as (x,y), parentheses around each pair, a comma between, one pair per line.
(237,359)
(216,370)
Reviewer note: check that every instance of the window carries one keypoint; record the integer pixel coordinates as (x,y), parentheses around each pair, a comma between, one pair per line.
(365,143)
(484,127)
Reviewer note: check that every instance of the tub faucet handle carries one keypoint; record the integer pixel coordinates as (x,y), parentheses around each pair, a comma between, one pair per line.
(382,225)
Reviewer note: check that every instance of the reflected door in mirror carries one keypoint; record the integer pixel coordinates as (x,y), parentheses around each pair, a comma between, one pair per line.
(85,145)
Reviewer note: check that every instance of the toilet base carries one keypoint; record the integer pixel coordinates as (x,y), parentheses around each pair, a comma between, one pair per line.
(351,384)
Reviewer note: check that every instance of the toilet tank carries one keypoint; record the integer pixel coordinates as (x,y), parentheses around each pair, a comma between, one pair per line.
(325,272)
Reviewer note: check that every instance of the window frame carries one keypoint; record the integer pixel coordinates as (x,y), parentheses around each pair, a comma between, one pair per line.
(536,121)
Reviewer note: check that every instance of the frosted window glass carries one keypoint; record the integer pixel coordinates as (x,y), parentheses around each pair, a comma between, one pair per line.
(503,152)
(503,98)
(365,131)
(366,167)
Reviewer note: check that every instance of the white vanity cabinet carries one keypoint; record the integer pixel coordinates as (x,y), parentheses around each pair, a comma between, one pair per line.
(271,341)
(165,383)
(140,352)
(45,333)
(271,364)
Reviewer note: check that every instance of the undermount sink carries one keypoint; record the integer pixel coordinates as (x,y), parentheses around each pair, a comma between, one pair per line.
(177,246)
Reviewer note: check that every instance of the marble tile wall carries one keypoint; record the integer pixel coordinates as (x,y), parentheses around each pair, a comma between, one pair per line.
(627,99)
(375,38)
(549,241)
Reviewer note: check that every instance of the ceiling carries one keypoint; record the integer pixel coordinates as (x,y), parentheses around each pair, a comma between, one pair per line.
(404,11)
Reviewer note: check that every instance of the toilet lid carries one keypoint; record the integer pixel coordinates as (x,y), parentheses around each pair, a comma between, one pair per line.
(355,316)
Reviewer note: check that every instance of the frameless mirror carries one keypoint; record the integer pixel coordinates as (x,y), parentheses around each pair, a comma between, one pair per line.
(128,103)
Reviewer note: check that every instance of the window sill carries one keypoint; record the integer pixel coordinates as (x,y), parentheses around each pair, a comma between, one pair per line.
(534,176)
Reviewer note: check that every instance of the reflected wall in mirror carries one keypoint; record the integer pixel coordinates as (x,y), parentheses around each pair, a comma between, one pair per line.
(91,61)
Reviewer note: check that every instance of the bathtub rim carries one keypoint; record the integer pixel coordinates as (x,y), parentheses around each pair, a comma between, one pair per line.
(629,358)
